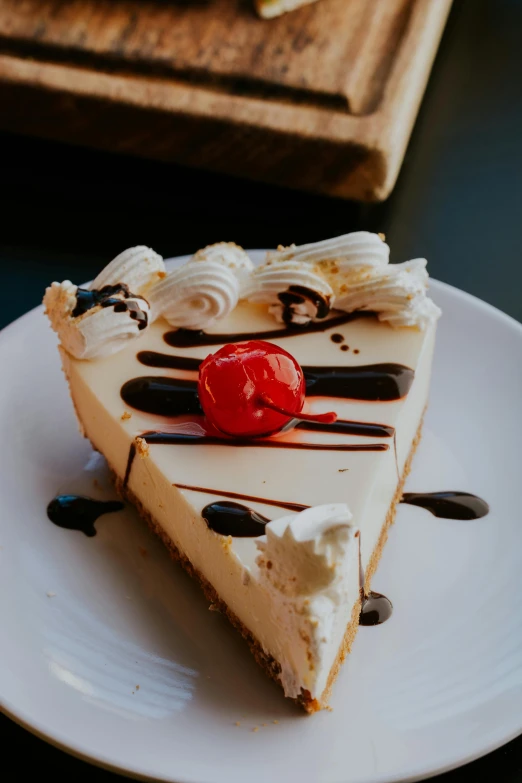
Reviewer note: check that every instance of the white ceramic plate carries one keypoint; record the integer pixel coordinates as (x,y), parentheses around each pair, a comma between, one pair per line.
(85,621)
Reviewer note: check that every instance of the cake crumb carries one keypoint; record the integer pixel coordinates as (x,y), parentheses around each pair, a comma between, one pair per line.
(137,687)
(50,594)
(142,447)
(237,723)
(343,470)
(275,721)
(213,608)
(125,415)
(264,724)
(143,552)
(382,236)
(256,728)
(330,709)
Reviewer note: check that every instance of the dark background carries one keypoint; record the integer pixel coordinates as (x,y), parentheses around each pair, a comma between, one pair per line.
(65,212)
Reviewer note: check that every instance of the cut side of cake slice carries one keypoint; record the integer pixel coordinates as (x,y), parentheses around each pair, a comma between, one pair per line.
(269,9)
(284,531)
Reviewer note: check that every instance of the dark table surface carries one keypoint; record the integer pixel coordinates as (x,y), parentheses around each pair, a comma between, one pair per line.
(65,212)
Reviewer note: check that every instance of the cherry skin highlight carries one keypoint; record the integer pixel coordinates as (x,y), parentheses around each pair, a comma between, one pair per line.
(252,389)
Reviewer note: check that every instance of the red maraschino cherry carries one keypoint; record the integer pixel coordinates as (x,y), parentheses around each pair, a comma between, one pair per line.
(252,389)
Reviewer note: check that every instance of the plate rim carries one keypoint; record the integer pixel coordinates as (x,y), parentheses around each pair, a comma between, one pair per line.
(36,728)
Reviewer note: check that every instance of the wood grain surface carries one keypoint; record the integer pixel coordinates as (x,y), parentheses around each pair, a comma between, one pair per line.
(323,98)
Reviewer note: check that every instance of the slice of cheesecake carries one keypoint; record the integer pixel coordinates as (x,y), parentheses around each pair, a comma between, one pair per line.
(269,9)
(275,528)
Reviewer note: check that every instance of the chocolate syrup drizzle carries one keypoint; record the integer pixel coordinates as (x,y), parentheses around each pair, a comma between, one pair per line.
(448,505)
(177,397)
(156,359)
(371,382)
(189,338)
(347,427)
(130,461)
(162,396)
(240,496)
(189,439)
(106,297)
(76,512)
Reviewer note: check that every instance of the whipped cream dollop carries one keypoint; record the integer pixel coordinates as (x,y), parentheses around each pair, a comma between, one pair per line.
(306,551)
(295,293)
(100,320)
(309,563)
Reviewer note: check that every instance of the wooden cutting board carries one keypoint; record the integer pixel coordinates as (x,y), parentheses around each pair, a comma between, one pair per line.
(322,99)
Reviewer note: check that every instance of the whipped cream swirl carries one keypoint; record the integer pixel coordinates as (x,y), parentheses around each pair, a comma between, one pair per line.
(205,289)
(295,293)
(196,295)
(138,267)
(117,311)
(99,331)
(397,293)
(356,250)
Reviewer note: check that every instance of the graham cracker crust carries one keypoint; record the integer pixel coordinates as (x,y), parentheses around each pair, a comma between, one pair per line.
(264,659)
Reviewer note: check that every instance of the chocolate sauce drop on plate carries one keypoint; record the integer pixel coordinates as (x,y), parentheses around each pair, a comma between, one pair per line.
(107,297)
(189,338)
(375,609)
(448,505)
(75,512)
(337,338)
(233,519)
